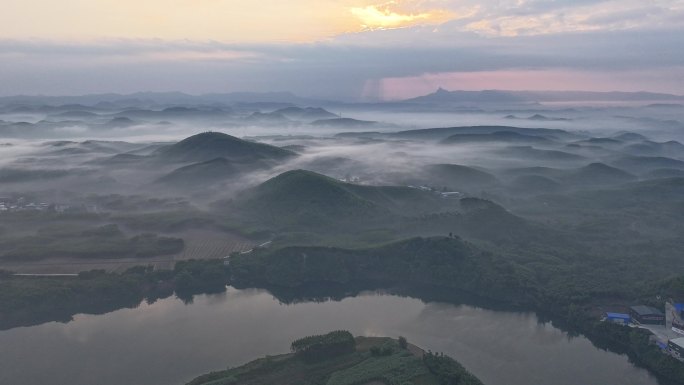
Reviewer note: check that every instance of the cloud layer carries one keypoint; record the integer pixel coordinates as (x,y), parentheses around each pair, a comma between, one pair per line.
(389,49)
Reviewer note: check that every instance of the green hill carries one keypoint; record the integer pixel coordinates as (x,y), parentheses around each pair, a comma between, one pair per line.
(306,114)
(352,361)
(198,175)
(589,176)
(547,172)
(664,173)
(302,207)
(667,190)
(649,148)
(16,175)
(211,145)
(305,199)
(445,132)
(486,220)
(534,184)
(647,163)
(342,122)
(454,176)
(449,262)
(630,137)
(495,137)
(535,154)
(121,160)
(599,174)
(608,142)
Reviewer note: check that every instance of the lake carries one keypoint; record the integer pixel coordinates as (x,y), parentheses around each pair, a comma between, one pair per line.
(169,342)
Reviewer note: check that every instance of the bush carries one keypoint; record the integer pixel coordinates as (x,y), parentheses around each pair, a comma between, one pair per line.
(377,351)
(324,346)
(448,371)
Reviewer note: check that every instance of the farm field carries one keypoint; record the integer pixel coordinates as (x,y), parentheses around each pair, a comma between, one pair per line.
(199,244)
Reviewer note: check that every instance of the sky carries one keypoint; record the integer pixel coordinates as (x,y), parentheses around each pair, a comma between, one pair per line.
(340,49)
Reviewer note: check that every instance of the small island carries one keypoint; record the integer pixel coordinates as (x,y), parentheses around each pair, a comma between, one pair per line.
(339,358)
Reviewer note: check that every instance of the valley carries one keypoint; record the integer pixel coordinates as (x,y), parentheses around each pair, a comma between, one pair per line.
(561,217)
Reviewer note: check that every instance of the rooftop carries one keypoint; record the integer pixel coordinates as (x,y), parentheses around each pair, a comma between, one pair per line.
(645,310)
(678,341)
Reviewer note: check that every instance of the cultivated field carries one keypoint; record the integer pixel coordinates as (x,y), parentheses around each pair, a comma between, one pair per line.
(199,244)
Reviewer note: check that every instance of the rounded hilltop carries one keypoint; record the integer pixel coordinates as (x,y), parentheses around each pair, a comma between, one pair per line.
(339,358)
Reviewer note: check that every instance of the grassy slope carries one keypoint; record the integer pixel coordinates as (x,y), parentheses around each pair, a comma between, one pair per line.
(358,368)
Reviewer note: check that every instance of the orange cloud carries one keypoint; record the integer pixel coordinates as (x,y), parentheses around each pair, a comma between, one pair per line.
(383,16)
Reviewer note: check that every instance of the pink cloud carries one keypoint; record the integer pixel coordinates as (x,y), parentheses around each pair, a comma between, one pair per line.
(670,80)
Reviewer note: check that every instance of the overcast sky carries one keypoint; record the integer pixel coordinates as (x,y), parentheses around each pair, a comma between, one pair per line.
(340,49)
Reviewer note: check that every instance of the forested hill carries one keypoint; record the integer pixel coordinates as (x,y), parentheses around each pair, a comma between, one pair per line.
(337,358)
(441,261)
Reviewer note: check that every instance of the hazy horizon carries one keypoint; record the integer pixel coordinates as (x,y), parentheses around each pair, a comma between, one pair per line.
(351,50)
(313,98)
(190,188)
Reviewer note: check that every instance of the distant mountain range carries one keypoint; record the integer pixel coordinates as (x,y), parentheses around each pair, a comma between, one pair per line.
(499,96)
(285,99)
(113,100)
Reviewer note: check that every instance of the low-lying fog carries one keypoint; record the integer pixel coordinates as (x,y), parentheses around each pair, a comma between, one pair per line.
(75,147)
(80,182)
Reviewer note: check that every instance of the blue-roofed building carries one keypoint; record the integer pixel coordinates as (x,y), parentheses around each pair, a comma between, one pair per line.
(620,318)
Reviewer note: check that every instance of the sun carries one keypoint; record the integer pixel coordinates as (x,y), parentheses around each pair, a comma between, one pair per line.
(384,16)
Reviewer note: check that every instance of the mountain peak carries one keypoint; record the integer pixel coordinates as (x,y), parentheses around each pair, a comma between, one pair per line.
(210,145)
(486,96)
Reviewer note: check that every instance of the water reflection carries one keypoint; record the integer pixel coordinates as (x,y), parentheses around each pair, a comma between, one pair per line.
(168,342)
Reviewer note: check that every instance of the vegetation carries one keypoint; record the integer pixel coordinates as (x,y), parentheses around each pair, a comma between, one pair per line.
(566,237)
(11,175)
(324,346)
(636,344)
(199,175)
(449,262)
(457,177)
(458,266)
(195,276)
(356,366)
(34,300)
(106,241)
(211,145)
(448,371)
(306,201)
(402,342)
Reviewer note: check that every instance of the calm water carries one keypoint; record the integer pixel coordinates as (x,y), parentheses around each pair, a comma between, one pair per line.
(169,342)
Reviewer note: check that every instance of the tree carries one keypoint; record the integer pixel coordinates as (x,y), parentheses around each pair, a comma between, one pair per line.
(402,342)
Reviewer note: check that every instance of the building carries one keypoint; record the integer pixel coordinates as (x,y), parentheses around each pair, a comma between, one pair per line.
(674,316)
(676,348)
(451,194)
(647,315)
(619,318)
